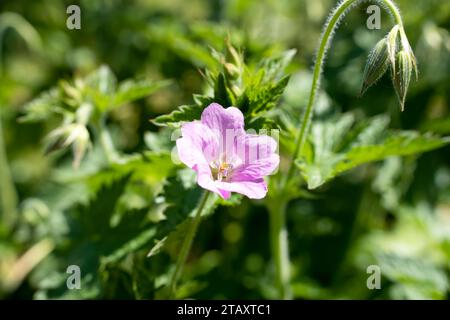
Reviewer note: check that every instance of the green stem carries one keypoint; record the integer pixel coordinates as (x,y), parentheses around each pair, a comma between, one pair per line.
(278,212)
(8,195)
(325,41)
(186,247)
(280,248)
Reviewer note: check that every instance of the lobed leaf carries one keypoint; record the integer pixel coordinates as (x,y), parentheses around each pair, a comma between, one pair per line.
(339,146)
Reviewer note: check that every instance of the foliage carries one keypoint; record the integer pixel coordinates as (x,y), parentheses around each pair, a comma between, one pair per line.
(338,145)
(371,186)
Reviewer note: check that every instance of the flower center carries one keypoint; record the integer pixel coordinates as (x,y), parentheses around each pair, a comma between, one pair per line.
(221,171)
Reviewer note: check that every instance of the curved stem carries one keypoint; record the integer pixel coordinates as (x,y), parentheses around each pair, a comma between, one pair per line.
(279,242)
(186,247)
(325,41)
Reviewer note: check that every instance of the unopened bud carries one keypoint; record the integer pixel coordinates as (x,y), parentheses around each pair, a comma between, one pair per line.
(392,45)
(406,47)
(377,64)
(74,134)
(233,54)
(236,90)
(84,113)
(402,77)
(79,146)
(232,71)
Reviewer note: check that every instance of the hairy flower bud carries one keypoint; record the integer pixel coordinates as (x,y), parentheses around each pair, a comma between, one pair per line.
(377,64)
(406,47)
(84,113)
(394,51)
(233,54)
(80,145)
(392,45)
(232,71)
(74,134)
(402,77)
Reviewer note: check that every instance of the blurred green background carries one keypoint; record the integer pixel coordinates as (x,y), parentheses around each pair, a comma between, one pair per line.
(395,214)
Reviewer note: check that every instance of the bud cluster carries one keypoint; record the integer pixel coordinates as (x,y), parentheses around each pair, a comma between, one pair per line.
(73,134)
(393,52)
(232,63)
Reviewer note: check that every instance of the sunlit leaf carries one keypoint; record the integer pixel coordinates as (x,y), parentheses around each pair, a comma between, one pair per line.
(339,146)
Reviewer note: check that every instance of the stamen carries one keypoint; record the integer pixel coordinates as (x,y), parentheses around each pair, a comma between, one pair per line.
(220,170)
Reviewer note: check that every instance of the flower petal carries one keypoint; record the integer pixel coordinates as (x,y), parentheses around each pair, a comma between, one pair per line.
(254,189)
(258,158)
(198,144)
(228,124)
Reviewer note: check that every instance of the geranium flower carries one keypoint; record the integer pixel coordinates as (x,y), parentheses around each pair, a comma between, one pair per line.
(225,157)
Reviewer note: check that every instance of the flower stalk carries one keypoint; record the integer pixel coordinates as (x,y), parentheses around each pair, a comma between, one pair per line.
(325,42)
(280,248)
(279,242)
(187,244)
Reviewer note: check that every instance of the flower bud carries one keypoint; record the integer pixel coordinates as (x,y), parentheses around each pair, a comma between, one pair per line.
(232,71)
(232,53)
(402,77)
(237,91)
(377,64)
(406,46)
(392,46)
(394,51)
(84,112)
(70,90)
(74,134)
(80,145)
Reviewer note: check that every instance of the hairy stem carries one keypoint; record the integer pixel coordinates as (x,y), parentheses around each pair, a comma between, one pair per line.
(326,38)
(278,213)
(187,243)
(279,247)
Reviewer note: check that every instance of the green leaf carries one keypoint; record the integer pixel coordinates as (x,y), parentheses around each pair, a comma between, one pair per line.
(262,123)
(131,90)
(103,90)
(441,125)
(142,239)
(96,216)
(275,67)
(262,97)
(182,113)
(177,40)
(92,237)
(182,196)
(257,92)
(43,106)
(339,145)
(102,80)
(413,278)
(221,94)
(98,88)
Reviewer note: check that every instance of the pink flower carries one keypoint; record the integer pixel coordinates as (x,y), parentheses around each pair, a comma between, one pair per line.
(225,157)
